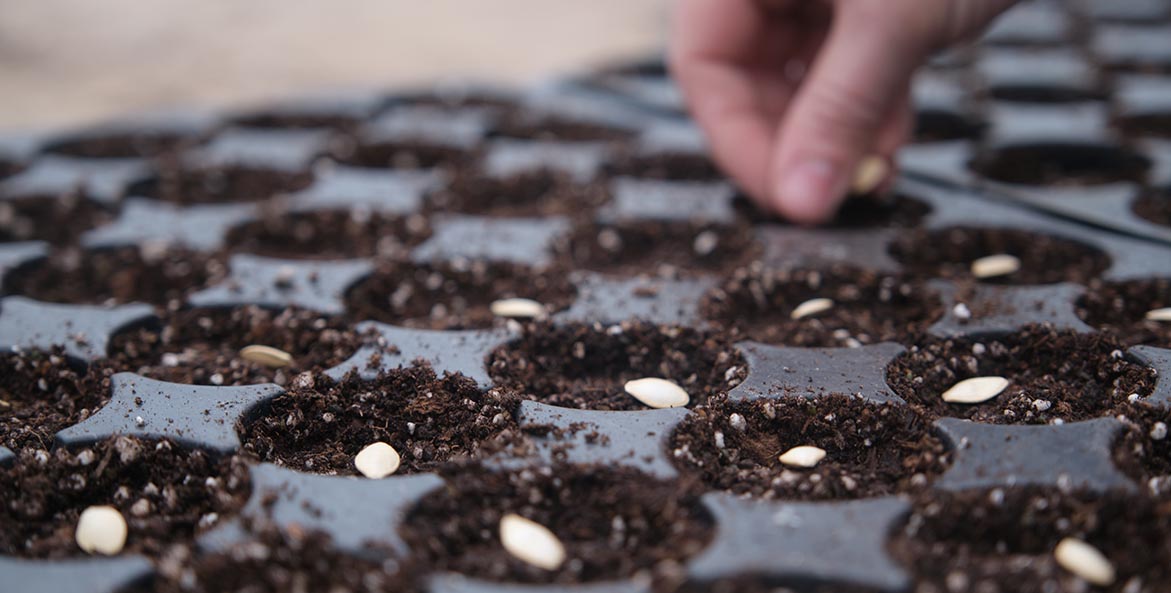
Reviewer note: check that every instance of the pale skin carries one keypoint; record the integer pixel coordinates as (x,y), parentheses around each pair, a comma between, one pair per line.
(793,94)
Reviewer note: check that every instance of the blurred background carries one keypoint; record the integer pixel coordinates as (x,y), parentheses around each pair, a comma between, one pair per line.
(68,62)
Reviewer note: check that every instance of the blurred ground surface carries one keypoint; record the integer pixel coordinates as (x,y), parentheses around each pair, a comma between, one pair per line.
(64,62)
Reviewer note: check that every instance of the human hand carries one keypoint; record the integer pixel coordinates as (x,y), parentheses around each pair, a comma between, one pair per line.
(794,94)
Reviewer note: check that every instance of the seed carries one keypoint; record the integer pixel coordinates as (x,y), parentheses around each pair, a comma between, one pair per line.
(993,266)
(1084,561)
(521,308)
(869,174)
(803,456)
(377,460)
(811,307)
(101,530)
(657,393)
(531,542)
(1163,314)
(975,390)
(267,356)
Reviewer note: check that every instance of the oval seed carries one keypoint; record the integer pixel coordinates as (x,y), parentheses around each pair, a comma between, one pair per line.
(993,266)
(101,530)
(803,456)
(811,307)
(869,174)
(1085,561)
(531,542)
(521,308)
(377,460)
(267,356)
(1163,314)
(975,390)
(657,393)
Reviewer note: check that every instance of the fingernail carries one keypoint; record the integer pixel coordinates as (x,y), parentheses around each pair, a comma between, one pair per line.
(807,190)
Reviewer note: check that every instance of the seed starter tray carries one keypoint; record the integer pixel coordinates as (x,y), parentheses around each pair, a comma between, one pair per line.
(738,524)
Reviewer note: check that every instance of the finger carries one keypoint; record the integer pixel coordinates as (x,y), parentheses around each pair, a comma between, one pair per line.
(836,117)
(894,134)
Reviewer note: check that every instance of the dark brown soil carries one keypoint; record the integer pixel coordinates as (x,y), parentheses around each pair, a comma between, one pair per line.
(858,212)
(444,296)
(1026,93)
(327,235)
(755,304)
(613,522)
(1044,259)
(936,125)
(218,185)
(872,449)
(202,346)
(1062,164)
(585,367)
(40,394)
(276,562)
(186,491)
(1002,541)
(525,127)
(1120,309)
(302,121)
(58,220)
(1144,451)
(119,276)
(1053,375)
(122,146)
(659,248)
(1150,124)
(1154,206)
(667,166)
(405,155)
(320,425)
(540,193)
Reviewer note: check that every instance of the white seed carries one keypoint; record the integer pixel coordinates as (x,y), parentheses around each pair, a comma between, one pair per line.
(975,390)
(101,530)
(519,308)
(869,174)
(811,307)
(803,456)
(531,542)
(993,266)
(266,355)
(377,460)
(1085,561)
(1163,314)
(657,393)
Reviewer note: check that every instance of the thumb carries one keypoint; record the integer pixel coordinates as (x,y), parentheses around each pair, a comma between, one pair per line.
(856,83)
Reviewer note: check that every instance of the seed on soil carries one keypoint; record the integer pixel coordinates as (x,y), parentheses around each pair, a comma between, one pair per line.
(995,266)
(657,393)
(975,390)
(531,542)
(1084,561)
(1163,314)
(517,307)
(811,307)
(869,174)
(101,530)
(803,456)
(267,356)
(377,460)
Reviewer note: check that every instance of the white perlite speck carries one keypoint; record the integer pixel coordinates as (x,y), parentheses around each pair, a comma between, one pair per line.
(803,456)
(377,460)
(1085,561)
(1159,431)
(811,307)
(531,542)
(1163,314)
(961,311)
(101,530)
(869,174)
(657,393)
(975,390)
(517,308)
(993,266)
(267,356)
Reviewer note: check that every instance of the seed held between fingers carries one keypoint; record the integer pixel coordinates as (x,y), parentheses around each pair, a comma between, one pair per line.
(267,356)
(101,530)
(1084,561)
(531,542)
(377,460)
(517,308)
(994,266)
(657,393)
(869,175)
(811,307)
(1163,314)
(805,456)
(975,390)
